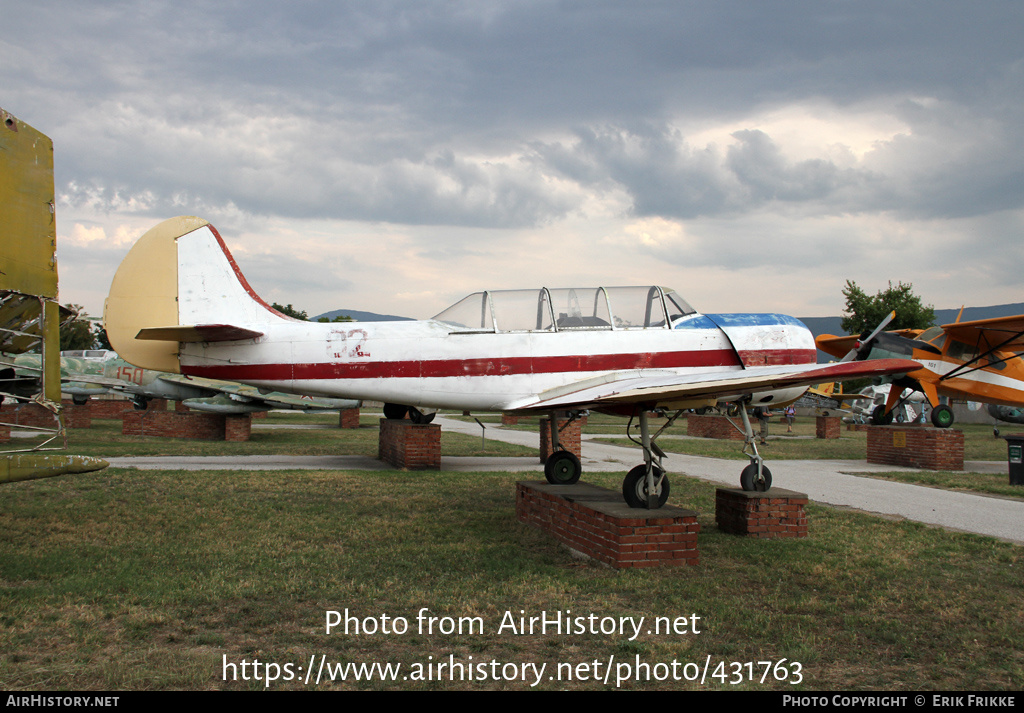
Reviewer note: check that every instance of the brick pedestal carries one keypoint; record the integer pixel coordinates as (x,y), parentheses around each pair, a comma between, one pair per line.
(238,427)
(568,437)
(916,447)
(29,414)
(348,418)
(773,513)
(5,432)
(174,424)
(109,408)
(596,523)
(508,419)
(713,427)
(827,426)
(408,445)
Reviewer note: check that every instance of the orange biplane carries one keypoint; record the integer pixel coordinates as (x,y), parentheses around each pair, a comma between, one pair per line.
(975,361)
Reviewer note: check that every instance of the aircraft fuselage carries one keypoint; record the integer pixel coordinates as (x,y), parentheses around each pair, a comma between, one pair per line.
(431,364)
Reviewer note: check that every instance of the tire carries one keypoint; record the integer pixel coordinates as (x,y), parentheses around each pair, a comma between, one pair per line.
(562,468)
(417,416)
(749,482)
(395,412)
(880,418)
(942,416)
(634,487)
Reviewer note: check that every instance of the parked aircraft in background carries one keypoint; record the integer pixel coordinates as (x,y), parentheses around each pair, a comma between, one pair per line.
(973,361)
(96,371)
(863,404)
(178,303)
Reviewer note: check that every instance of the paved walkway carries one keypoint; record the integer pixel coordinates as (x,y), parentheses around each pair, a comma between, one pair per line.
(825,481)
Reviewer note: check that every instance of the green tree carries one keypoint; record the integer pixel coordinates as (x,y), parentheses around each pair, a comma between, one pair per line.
(291,311)
(339,318)
(864,313)
(76,332)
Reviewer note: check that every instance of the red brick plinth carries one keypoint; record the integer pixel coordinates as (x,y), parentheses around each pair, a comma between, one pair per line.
(827,426)
(174,424)
(109,408)
(237,427)
(568,437)
(773,513)
(5,432)
(712,427)
(28,414)
(348,418)
(597,523)
(916,447)
(508,419)
(408,445)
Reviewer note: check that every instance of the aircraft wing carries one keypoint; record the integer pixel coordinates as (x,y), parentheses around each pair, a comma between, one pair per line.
(1003,333)
(673,388)
(232,396)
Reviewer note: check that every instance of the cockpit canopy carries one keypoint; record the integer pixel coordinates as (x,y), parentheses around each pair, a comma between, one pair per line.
(574,308)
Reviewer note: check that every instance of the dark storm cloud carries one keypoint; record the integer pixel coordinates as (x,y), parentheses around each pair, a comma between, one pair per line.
(458,113)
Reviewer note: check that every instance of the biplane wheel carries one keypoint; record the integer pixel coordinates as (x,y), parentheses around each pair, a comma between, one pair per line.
(880,418)
(395,412)
(942,416)
(562,468)
(417,416)
(749,481)
(634,487)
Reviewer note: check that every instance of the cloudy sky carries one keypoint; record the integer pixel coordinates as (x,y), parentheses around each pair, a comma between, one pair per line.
(394,156)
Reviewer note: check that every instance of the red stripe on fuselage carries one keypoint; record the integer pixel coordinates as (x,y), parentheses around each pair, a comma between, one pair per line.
(498,366)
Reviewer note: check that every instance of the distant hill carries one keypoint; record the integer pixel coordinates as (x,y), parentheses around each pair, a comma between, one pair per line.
(830,325)
(359,316)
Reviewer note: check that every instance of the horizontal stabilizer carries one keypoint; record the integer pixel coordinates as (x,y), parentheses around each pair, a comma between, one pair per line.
(198,333)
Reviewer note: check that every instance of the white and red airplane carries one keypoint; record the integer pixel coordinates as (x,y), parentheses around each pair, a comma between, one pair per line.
(179,303)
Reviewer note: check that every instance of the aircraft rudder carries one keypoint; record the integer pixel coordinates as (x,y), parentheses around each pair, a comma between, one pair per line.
(144,294)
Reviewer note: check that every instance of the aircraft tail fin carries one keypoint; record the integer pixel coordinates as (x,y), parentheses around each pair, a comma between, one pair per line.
(177,284)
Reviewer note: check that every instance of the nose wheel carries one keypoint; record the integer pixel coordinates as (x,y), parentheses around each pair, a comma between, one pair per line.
(751,480)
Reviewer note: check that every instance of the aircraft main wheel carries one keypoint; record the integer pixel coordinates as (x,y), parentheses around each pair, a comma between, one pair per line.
(942,416)
(880,418)
(140,403)
(417,416)
(562,468)
(395,412)
(80,400)
(634,487)
(749,481)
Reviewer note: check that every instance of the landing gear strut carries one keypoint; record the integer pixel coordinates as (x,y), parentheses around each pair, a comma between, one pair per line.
(756,476)
(646,486)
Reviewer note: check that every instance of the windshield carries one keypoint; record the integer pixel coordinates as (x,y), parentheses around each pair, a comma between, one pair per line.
(562,309)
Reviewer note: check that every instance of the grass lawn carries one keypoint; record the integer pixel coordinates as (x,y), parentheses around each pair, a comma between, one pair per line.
(129,579)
